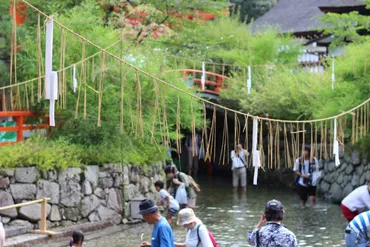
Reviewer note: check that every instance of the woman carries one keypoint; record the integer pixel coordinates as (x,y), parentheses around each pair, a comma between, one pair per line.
(239,169)
(197,234)
(77,239)
(176,179)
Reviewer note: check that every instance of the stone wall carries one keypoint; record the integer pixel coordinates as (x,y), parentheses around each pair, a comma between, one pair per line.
(91,194)
(337,182)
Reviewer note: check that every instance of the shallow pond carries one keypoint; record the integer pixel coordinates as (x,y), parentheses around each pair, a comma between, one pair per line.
(229,216)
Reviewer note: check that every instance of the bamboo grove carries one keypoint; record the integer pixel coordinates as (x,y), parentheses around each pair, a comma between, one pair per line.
(139,92)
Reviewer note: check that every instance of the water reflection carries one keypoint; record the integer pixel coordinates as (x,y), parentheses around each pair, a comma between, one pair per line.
(229,216)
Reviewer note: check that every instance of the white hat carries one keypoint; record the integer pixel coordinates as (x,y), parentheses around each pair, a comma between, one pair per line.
(186,216)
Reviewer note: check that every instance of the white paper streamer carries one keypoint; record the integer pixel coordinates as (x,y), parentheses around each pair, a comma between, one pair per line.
(53,86)
(249,80)
(48,56)
(336,144)
(74,80)
(203,79)
(332,75)
(255,153)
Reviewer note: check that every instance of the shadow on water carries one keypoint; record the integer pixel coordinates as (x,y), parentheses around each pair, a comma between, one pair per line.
(229,216)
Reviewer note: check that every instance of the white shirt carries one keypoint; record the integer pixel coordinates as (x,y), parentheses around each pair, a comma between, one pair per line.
(358,199)
(192,237)
(173,203)
(305,169)
(237,161)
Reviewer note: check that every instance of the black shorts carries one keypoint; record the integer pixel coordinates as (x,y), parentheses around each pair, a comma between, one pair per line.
(305,192)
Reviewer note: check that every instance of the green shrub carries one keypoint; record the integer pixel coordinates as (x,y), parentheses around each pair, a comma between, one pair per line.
(42,153)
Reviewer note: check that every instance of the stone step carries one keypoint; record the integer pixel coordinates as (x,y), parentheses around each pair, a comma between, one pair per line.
(29,239)
(11,231)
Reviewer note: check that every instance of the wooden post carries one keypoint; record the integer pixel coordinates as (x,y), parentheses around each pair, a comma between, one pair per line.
(19,121)
(43,216)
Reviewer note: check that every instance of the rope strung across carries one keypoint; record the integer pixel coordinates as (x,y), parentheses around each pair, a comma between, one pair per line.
(297,129)
(181,90)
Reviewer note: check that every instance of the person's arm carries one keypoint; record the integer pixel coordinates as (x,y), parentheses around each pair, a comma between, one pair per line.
(180,245)
(252,235)
(184,179)
(168,198)
(204,237)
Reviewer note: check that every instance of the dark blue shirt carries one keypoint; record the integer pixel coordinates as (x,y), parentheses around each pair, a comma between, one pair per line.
(162,234)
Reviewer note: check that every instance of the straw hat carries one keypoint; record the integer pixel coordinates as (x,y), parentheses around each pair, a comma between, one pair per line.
(186,216)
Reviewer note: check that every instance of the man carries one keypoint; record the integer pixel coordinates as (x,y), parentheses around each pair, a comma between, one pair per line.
(239,168)
(304,167)
(193,147)
(273,234)
(162,233)
(358,231)
(355,201)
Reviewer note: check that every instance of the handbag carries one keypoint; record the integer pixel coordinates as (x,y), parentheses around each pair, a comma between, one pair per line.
(181,195)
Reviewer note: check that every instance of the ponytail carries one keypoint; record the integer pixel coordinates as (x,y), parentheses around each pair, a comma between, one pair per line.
(77,237)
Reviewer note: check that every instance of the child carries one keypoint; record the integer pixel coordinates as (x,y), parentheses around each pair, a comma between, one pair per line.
(77,239)
(167,200)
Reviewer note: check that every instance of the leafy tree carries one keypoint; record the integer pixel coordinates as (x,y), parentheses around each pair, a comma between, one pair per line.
(252,9)
(347,27)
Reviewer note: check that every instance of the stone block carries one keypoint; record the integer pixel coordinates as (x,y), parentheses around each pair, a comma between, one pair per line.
(114,200)
(52,175)
(145,185)
(23,191)
(348,189)
(27,175)
(86,188)
(6,199)
(109,215)
(55,213)
(349,169)
(22,223)
(72,214)
(130,192)
(363,179)
(126,177)
(5,220)
(33,212)
(106,183)
(112,168)
(4,182)
(92,175)
(104,175)
(94,217)
(7,173)
(70,189)
(355,158)
(359,169)
(48,189)
(89,204)
(336,193)
(118,180)
(100,193)
(355,180)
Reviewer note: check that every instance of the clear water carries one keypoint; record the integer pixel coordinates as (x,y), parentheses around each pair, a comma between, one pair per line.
(229,216)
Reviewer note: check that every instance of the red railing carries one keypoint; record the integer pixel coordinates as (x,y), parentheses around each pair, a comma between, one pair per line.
(20,118)
(213,84)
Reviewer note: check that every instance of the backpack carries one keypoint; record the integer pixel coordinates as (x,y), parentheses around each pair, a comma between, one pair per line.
(192,182)
(213,240)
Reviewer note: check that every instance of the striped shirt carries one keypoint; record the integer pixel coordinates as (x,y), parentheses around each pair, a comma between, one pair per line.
(361,224)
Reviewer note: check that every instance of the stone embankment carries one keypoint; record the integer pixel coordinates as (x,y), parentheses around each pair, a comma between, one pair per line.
(95,193)
(338,181)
